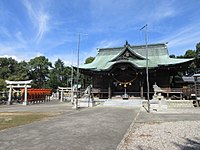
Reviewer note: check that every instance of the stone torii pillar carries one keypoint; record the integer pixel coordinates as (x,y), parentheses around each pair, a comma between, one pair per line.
(18,84)
(62,89)
(10,94)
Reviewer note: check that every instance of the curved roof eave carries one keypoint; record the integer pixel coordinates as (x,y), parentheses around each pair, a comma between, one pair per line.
(178,61)
(119,62)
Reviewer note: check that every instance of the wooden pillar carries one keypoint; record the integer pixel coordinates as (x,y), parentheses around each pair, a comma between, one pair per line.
(109,90)
(141,90)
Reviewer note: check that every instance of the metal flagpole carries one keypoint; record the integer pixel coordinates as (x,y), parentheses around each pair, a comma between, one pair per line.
(147,65)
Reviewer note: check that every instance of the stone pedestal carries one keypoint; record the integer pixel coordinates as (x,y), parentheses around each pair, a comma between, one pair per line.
(154,104)
(162,104)
(75,106)
(86,102)
(75,102)
(25,103)
(158,104)
(9,103)
(91,103)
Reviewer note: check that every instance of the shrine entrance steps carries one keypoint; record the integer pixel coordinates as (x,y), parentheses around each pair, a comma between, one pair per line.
(123,103)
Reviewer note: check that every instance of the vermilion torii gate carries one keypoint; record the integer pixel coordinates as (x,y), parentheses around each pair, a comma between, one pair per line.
(18,84)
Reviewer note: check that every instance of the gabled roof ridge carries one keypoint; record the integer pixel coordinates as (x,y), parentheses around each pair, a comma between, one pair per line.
(131,51)
(111,48)
(131,46)
(137,54)
(148,45)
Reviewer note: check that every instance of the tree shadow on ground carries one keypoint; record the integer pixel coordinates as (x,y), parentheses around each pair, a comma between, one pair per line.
(190,144)
(140,147)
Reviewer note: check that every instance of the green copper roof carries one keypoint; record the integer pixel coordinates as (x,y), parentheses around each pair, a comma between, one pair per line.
(135,55)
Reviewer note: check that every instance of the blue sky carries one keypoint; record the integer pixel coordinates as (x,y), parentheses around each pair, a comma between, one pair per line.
(30,28)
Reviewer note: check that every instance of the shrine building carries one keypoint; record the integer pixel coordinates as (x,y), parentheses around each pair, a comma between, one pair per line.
(119,70)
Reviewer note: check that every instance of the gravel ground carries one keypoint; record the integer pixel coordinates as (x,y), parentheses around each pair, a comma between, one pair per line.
(180,135)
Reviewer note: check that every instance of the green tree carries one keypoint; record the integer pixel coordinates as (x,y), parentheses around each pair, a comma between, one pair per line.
(59,75)
(39,71)
(53,82)
(12,70)
(2,85)
(21,72)
(197,60)
(86,80)
(198,48)
(67,77)
(192,67)
(59,70)
(8,67)
(190,54)
(172,56)
(89,60)
(181,56)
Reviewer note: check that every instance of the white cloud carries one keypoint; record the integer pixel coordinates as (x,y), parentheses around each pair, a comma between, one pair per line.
(4,49)
(4,32)
(68,59)
(11,56)
(184,36)
(153,12)
(164,9)
(19,37)
(121,16)
(92,51)
(10,48)
(18,51)
(42,25)
(108,23)
(108,43)
(39,18)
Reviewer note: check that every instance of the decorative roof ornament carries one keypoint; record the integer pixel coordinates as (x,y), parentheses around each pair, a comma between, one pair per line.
(126,44)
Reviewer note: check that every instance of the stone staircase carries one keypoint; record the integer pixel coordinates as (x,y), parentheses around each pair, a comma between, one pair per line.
(123,103)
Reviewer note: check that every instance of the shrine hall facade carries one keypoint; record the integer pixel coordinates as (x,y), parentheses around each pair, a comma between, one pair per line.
(119,70)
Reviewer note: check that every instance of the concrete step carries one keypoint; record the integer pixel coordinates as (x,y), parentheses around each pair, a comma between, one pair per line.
(123,103)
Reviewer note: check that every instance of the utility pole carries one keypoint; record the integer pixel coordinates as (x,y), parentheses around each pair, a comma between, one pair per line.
(147,65)
(72,77)
(77,75)
(78,47)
